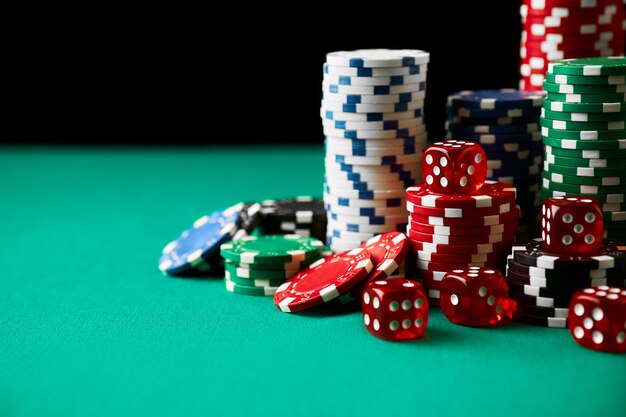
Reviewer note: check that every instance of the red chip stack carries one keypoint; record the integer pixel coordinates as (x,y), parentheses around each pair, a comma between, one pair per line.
(562,29)
(456,218)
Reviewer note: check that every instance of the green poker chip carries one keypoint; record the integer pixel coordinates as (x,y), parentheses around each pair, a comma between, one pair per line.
(584,172)
(272,249)
(589,67)
(582,117)
(236,270)
(584,89)
(249,290)
(582,80)
(262,283)
(619,125)
(581,189)
(555,177)
(587,98)
(613,145)
(584,162)
(614,107)
(583,134)
(602,198)
(584,153)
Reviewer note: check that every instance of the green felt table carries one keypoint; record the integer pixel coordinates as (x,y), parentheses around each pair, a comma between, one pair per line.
(90,327)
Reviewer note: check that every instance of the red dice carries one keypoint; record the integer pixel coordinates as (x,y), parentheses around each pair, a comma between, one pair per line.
(571,225)
(474,296)
(597,318)
(454,167)
(395,309)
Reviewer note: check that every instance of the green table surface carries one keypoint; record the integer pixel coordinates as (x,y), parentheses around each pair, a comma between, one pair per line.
(90,327)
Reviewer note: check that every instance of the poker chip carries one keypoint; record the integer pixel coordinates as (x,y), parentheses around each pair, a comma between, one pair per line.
(249,290)
(584,153)
(589,67)
(585,80)
(197,247)
(556,125)
(324,280)
(459,258)
(255,282)
(303,216)
(372,117)
(490,194)
(554,322)
(610,107)
(506,124)
(579,162)
(466,221)
(459,213)
(461,249)
(583,117)
(533,254)
(583,180)
(458,231)
(423,265)
(271,249)
(584,89)
(453,241)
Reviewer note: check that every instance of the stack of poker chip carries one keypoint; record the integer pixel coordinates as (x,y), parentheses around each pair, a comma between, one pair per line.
(455,231)
(196,250)
(258,265)
(541,285)
(584,131)
(564,29)
(372,115)
(303,216)
(506,124)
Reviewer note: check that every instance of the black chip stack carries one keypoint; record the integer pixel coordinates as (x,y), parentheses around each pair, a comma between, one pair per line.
(303,215)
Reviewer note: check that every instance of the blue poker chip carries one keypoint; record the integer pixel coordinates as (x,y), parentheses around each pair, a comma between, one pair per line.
(393,80)
(513,171)
(511,147)
(496,99)
(356,149)
(197,244)
(369,185)
(391,168)
(359,99)
(372,72)
(511,129)
(466,112)
(487,138)
(493,121)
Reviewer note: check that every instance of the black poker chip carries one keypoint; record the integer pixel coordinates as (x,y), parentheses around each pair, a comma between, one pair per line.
(555,322)
(561,302)
(250,216)
(561,284)
(564,293)
(302,209)
(560,275)
(533,254)
(541,311)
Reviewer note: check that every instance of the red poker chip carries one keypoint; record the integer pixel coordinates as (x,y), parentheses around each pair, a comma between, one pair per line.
(461,231)
(489,195)
(466,221)
(460,257)
(460,213)
(432,275)
(431,283)
(324,280)
(388,250)
(538,29)
(430,239)
(572,45)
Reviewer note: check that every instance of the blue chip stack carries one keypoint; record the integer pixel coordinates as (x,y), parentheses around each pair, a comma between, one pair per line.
(506,123)
(372,114)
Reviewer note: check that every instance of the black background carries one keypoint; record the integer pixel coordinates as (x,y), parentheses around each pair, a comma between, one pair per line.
(150,76)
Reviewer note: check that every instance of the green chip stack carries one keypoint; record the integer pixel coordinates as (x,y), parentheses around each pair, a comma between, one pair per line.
(258,265)
(583,124)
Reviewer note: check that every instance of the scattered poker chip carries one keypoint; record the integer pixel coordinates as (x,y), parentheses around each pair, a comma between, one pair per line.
(534,255)
(324,280)
(375,58)
(589,67)
(388,252)
(585,80)
(271,249)
(490,194)
(199,243)
(610,107)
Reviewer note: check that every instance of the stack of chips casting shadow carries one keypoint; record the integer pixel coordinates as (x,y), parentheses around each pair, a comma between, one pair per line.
(258,265)
(372,115)
(456,218)
(506,124)
(542,277)
(196,250)
(303,216)
(563,29)
(584,132)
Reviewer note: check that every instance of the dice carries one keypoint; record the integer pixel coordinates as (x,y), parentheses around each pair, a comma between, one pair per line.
(454,167)
(474,296)
(571,225)
(395,309)
(597,318)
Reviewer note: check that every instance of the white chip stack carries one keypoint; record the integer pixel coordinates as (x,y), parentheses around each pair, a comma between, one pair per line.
(372,113)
